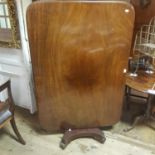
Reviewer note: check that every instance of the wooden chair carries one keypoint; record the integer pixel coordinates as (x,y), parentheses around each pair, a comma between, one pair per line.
(7,109)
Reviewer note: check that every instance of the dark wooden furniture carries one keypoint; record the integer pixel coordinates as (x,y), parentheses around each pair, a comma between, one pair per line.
(7,109)
(71,135)
(79,51)
(144,83)
(143,15)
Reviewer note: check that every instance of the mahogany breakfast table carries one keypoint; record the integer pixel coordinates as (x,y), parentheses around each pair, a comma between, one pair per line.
(79,52)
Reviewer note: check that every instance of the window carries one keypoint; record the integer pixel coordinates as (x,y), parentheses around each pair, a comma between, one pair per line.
(4,15)
(9,32)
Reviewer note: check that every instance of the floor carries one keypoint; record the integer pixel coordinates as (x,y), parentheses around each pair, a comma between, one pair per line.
(139,141)
(142,132)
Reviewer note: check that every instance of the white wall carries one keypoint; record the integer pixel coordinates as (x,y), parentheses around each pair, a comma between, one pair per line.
(15,64)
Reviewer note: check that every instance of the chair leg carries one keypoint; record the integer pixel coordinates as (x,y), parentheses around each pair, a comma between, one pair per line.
(127,97)
(13,124)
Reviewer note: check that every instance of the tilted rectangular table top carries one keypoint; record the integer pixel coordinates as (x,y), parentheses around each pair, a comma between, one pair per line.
(79,50)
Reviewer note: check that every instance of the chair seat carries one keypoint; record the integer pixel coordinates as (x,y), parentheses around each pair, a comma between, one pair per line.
(4,115)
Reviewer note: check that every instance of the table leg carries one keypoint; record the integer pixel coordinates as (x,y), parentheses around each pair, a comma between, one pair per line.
(127,96)
(145,117)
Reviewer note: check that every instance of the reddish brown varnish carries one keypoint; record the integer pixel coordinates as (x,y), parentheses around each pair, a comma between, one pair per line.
(79,51)
(143,82)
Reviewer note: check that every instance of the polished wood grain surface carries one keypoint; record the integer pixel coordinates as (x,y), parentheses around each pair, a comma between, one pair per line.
(143,82)
(79,51)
